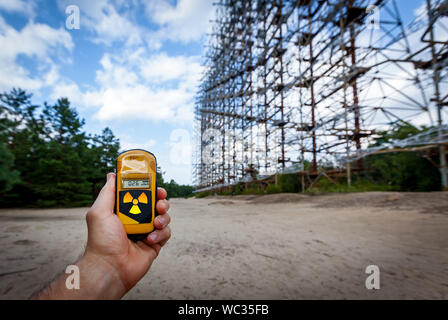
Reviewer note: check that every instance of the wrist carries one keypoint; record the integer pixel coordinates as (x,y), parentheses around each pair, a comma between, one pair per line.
(99,279)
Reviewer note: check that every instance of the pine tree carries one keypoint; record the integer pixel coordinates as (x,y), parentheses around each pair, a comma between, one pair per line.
(59,164)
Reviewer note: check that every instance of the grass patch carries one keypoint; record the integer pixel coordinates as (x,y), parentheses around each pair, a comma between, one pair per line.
(202,194)
(326,186)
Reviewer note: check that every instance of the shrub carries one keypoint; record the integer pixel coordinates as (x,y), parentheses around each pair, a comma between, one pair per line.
(273,188)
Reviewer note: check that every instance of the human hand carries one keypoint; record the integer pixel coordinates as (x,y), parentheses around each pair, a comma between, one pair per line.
(109,245)
(112,264)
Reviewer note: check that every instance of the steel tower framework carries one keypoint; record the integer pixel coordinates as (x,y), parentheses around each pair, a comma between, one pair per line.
(303,86)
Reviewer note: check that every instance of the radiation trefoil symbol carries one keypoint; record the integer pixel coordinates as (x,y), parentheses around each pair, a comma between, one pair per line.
(142,198)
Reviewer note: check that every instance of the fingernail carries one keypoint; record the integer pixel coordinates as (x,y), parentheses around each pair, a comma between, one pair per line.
(162,220)
(152,237)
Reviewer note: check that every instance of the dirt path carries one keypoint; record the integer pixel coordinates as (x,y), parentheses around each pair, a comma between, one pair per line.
(282,246)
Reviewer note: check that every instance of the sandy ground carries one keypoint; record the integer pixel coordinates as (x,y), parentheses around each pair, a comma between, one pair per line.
(285,246)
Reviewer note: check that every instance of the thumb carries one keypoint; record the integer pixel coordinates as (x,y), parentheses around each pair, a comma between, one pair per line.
(104,203)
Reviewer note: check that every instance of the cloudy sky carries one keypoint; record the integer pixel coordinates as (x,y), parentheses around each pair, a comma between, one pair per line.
(132,65)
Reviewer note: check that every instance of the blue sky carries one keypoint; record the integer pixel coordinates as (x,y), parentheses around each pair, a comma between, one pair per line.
(132,65)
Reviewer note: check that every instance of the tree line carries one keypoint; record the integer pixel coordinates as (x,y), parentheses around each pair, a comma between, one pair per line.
(47,159)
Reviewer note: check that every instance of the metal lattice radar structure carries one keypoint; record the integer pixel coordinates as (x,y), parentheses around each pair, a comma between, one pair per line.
(304,86)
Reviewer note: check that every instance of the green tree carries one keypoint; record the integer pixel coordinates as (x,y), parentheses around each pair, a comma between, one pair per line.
(61,168)
(8,176)
(407,171)
(22,136)
(173,189)
(59,164)
(47,159)
(104,152)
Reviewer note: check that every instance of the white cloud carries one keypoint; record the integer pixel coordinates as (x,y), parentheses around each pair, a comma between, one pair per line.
(110,20)
(181,148)
(162,67)
(69,89)
(139,102)
(116,21)
(133,81)
(114,74)
(141,88)
(52,76)
(187,20)
(182,174)
(20,6)
(127,144)
(36,41)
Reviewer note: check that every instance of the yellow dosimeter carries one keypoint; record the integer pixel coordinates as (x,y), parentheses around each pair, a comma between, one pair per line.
(136,192)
